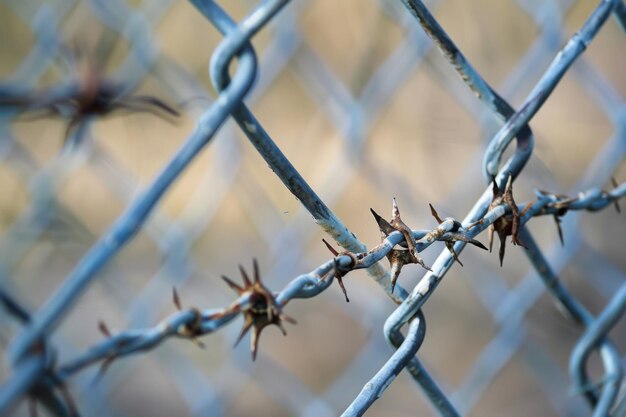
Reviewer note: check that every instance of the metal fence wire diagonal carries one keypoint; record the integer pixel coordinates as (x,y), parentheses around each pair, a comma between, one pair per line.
(136,218)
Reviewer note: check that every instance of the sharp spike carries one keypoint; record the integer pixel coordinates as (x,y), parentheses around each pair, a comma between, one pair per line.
(288,318)
(395,273)
(450,247)
(477,243)
(495,189)
(233,285)
(330,248)
(282,329)
(509,184)
(246,326)
(254,341)
(257,276)
(104,329)
(421,262)
(176,299)
(464,238)
(435,214)
(557,221)
(102,370)
(502,249)
(384,226)
(246,279)
(343,288)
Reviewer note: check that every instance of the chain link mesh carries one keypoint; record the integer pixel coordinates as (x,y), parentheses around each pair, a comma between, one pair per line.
(124,178)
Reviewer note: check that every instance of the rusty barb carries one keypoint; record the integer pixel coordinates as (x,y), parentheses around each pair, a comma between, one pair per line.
(262,311)
(88,94)
(449,230)
(338,272)
(507,225)
(398,257)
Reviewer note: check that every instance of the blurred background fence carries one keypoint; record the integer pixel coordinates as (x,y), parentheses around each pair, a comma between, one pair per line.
(97,96)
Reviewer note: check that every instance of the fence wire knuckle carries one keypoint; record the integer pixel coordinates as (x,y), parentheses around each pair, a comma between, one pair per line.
(46,371)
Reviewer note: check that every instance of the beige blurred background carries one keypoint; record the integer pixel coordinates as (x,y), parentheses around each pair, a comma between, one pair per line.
(424,145)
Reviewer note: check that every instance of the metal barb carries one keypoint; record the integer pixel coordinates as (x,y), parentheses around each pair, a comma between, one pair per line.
(262,311)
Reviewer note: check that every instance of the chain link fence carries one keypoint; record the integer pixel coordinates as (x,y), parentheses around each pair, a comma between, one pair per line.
(128,192)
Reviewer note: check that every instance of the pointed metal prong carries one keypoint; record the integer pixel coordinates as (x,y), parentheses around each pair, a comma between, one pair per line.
(233,285)
(502,249)
(450,247)
(176,299)
(467,239)
(104,329)
(477,243)
(254,341)
(343,288)
(494,188)
(246,326)
(557,221)
(330,248)
(435,214)
(244,275)
(102,370)
(384,226)
(395,273)
(287,318)
(255,265)
(509,185)
(421,262)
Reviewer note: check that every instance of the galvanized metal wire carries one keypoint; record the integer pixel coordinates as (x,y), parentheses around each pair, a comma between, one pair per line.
(47,370)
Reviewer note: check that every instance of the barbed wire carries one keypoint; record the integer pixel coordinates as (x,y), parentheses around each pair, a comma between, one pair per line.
(193,323)
(35,372)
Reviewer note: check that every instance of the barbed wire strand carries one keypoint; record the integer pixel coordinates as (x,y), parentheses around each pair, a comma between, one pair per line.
(29,366)
(312,284)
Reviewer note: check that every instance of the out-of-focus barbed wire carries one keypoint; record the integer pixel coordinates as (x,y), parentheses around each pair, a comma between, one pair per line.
(35,371)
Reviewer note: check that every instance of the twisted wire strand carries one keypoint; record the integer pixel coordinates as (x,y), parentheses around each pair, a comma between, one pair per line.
(309,285)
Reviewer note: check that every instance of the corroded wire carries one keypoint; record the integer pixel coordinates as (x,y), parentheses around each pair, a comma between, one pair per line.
(313,283)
